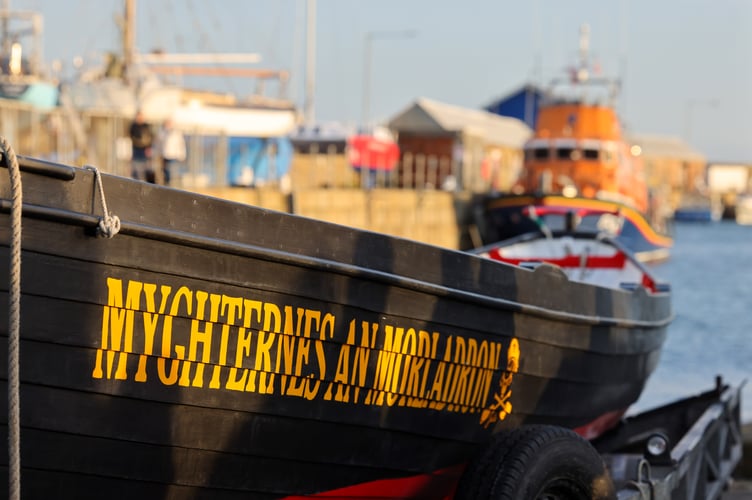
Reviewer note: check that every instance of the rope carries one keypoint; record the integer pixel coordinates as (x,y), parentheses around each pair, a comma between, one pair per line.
(643,484)
(109,225)
(14,322)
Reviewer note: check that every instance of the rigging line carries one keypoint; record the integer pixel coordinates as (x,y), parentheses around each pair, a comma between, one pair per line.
(274,39)
(92,40)
(271,43)
(340,19)
(299,37)
(156,30)
(205,44)
(177,37)
(217,24)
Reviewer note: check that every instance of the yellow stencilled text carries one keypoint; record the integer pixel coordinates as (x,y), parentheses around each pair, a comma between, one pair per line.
(178,336)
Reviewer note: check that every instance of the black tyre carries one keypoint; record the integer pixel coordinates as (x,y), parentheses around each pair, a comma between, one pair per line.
(536,462)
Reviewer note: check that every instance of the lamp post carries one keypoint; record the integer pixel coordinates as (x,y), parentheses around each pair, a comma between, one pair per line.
(689,110)
(370,37)
(310,85)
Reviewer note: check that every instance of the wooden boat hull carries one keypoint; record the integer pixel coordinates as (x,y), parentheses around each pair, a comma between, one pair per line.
(217,350)
(501,217)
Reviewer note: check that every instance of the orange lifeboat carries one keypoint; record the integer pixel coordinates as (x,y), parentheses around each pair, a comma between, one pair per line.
(578,150)
(578,160)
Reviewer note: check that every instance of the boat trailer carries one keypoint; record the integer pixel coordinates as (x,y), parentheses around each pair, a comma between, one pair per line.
(687,449)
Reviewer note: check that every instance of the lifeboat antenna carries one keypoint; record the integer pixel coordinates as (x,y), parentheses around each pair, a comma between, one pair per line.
(583,71)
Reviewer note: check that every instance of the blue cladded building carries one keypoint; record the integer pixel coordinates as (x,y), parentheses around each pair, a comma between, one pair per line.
(522,104)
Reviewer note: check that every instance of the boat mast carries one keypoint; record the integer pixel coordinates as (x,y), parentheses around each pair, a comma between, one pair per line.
(129,37)
(6,15)
(583,70)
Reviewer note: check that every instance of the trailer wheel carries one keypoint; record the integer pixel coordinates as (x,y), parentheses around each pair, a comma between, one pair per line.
(536,463)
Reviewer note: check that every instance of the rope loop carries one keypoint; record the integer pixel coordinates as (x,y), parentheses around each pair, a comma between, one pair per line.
(109,224)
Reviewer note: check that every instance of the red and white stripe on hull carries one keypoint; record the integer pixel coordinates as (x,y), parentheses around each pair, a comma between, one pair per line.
(586,260)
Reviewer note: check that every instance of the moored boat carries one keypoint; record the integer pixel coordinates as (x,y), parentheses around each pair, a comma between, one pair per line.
(21,76)
(583,252)
(578,158)
(507,216)
(694,214)
(131,82)
(174,345)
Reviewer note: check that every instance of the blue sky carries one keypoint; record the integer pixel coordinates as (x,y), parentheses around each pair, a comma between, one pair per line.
(686,65)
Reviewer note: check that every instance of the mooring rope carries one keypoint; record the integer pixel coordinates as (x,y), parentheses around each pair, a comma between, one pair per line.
(14,322)
(109,225)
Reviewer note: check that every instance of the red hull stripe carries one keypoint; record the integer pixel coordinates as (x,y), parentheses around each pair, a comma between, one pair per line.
(439,484)
(600,424)
(592,262)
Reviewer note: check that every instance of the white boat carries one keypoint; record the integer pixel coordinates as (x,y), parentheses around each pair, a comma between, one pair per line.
(21,76)
(132,81)
(581,252)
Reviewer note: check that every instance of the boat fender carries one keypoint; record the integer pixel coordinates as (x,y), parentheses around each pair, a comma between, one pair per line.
(536,461)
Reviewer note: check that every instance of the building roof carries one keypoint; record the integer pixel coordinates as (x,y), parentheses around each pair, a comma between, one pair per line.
(528,88)
(429,116)
(522,104)
(664,146)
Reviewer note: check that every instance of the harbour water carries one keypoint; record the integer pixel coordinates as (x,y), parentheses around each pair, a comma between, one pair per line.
(710,271)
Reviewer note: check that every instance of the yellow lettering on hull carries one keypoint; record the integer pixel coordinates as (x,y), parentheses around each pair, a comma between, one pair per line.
(200,340)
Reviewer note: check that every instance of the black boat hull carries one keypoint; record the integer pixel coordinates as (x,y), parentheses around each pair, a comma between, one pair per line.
(216,350)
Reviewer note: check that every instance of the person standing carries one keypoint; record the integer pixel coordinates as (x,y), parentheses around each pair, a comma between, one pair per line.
(171,148)
(142,140)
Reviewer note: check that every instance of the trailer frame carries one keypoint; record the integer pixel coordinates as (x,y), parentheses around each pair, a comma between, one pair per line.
(687,449)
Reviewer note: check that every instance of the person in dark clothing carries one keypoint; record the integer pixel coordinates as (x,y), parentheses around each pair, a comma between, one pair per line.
(142,140)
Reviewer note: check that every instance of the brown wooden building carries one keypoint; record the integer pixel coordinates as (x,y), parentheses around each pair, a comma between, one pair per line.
(450,146)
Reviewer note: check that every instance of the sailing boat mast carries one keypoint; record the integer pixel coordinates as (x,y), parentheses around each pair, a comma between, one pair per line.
(6,37)
(129,36)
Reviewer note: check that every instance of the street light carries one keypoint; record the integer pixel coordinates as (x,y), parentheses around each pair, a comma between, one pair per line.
(713,103)
(370,37)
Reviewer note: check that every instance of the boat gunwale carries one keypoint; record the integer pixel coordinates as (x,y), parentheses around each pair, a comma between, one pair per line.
(245,249)
(502,201)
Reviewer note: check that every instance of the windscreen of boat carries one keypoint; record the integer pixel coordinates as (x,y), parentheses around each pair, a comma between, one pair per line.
(592,223)
(537,153)
(566,153)
(590,154)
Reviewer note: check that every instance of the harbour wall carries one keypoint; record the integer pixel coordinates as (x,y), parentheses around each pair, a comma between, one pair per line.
(434,217)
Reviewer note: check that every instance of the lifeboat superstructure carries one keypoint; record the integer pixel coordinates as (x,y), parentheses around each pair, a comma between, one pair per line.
(578,150)
(579,159)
